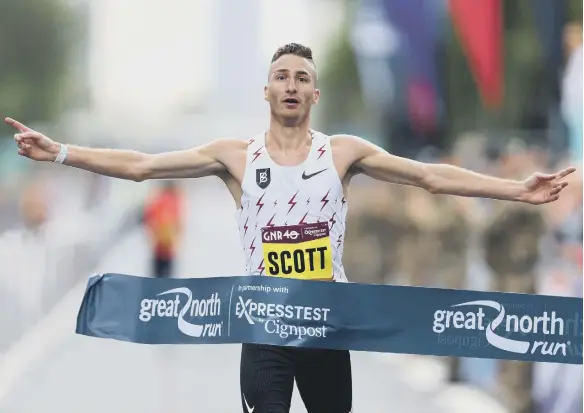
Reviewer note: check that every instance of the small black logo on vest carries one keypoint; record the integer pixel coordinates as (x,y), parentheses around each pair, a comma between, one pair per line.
(263,177)
(308,176)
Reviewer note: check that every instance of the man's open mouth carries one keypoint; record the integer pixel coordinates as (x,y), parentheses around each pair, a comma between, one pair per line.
(291,100)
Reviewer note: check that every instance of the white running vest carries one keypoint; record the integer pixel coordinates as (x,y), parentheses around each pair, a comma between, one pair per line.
(292,218)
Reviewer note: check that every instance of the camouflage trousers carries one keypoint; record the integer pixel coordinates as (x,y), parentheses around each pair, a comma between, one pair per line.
(516,377)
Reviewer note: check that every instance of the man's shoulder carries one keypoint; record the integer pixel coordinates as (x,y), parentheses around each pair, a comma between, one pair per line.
(228,145)
(235,143)
(342,137)
(241,142)
(351,144)
(343,140)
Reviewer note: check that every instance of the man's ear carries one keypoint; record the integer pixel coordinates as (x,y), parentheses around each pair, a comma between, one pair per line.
(265,93)
(316,97)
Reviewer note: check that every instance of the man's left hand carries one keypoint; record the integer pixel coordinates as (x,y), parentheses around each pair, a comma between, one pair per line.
(543,188)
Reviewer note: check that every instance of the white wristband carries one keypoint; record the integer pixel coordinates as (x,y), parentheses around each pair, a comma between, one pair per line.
(62,154)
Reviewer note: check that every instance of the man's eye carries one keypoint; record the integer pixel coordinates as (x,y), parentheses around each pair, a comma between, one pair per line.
(280,77)
(303,79)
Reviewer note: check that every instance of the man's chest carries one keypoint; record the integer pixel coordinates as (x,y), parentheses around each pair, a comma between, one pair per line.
(291,186)
(310,164)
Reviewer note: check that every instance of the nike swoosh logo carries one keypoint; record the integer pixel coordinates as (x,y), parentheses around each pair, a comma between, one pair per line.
(249,409)
(305,176)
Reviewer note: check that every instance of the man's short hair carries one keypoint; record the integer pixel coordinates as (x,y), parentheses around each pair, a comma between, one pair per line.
(295,49)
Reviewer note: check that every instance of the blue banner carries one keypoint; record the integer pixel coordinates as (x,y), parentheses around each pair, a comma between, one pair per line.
(362,317)
(549,18)
(418,21)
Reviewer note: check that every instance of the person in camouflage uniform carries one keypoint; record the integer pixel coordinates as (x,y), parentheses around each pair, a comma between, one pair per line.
(511,239)
(377,235)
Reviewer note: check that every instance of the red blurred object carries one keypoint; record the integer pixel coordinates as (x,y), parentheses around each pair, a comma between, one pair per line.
(422,106)
(163,218)
(479,26)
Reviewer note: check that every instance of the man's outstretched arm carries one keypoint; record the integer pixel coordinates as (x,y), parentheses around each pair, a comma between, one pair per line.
(124,164)
(449,179)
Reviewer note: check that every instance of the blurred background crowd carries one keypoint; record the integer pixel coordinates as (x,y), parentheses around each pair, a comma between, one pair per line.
(490,85)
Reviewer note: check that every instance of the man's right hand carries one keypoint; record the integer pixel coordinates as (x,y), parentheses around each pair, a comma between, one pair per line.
(32,144)
(212,159)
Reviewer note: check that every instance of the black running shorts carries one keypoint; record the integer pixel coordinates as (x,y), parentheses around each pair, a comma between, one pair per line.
(267,374)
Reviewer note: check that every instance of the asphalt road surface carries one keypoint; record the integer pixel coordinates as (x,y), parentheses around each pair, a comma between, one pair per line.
(80,374)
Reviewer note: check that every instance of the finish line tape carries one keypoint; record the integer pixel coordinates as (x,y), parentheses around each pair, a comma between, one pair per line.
(348,316)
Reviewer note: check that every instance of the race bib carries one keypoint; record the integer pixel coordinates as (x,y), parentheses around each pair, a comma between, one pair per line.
(298,251)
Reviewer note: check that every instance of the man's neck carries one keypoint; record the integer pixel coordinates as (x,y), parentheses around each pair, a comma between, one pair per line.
(288,137)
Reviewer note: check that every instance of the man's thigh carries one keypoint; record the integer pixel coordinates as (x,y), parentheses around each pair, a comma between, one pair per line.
(266,378)
(324,380)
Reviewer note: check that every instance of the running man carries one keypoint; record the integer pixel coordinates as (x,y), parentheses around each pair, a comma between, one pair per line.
(290,187)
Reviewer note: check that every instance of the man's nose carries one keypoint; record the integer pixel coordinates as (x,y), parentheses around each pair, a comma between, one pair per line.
(291,86)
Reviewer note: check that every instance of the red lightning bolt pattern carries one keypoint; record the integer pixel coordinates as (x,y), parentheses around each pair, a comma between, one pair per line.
(270,223)
(252,247)
(332,221)
(261,267)
(324,200)
(322,150)
(245,227)
(292,202)
(259,204)
(257,154)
